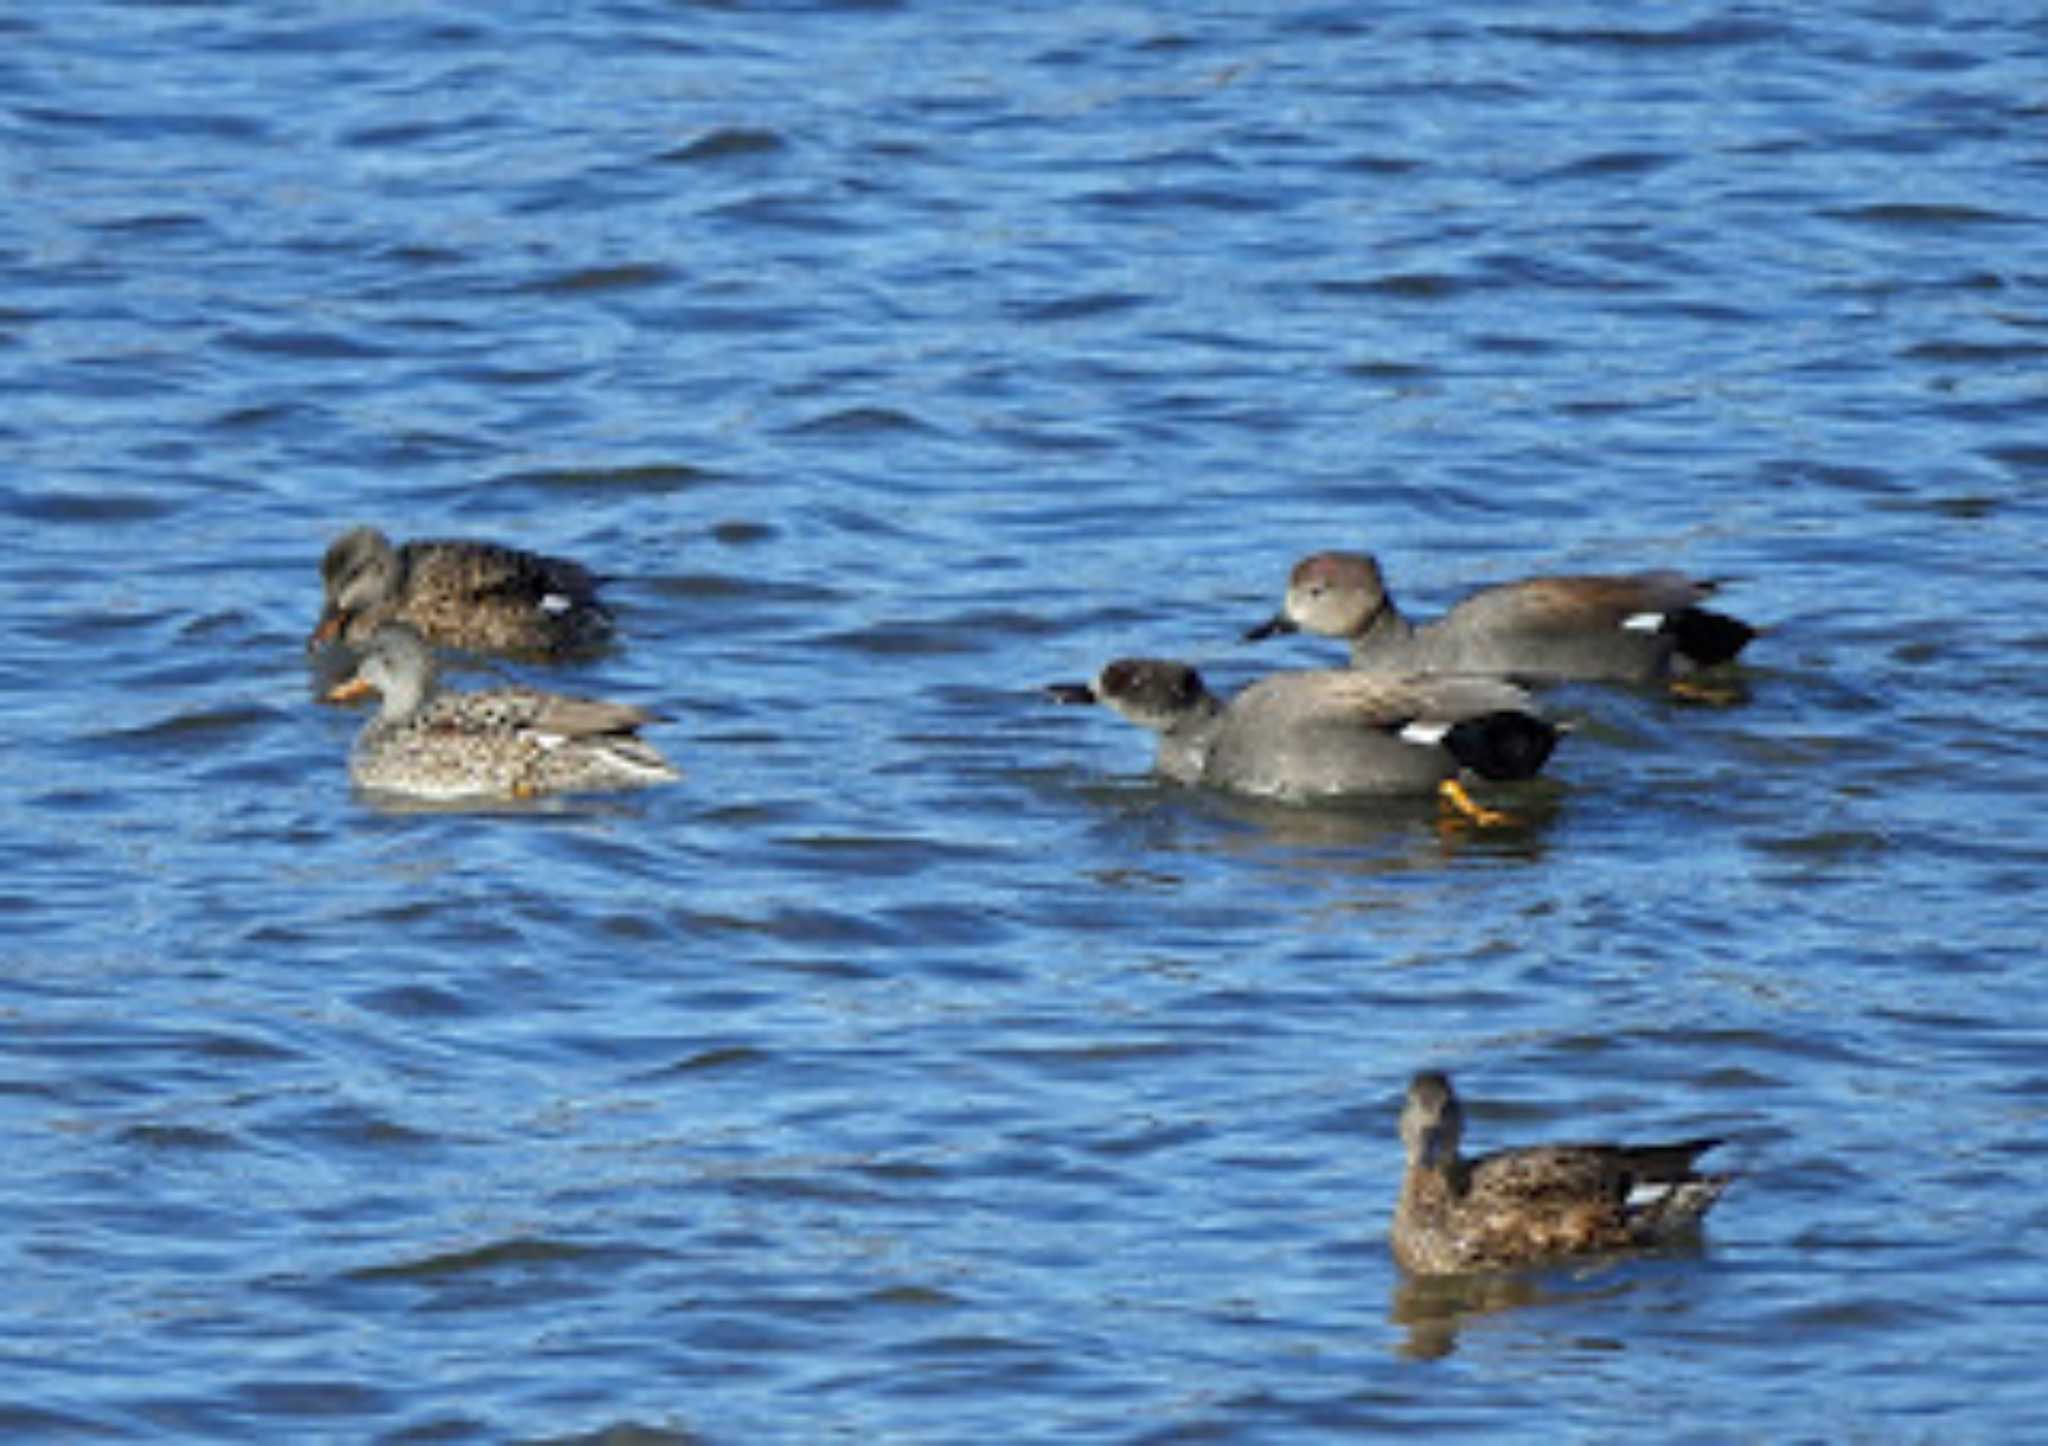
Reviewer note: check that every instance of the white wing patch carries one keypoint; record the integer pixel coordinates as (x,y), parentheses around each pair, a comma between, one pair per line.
(556,603)
(1643,622)
(643,764)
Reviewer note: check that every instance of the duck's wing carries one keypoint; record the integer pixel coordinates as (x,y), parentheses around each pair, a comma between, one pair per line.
(1608,1172)
(1571,1199)
(1577,604)
(549,716)
(587,717)
(1393,700)
(484,572)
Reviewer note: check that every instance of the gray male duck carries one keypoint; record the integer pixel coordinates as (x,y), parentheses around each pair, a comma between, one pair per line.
(505,743)
(1644,627)
(1330,733)
(1536,1205)
(459,593)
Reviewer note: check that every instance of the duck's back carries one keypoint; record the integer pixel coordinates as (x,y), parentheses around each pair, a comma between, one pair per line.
(509,742)
(487,598)
(1549,1201)
(1318,734)
(1586,628)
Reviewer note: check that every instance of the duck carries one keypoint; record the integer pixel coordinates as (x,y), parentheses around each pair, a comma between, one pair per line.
(506,743)
(1535,1205)
(459,593)
(1636,628)
(1328,733)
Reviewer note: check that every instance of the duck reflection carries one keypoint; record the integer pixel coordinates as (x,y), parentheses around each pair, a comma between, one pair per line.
(1435,1310)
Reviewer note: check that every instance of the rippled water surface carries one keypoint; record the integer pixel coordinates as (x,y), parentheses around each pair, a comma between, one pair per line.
(919,1069)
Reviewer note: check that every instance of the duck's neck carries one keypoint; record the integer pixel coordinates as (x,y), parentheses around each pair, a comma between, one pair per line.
(1385,630)
(1184,744)
(1423,1205)
(1439,1159)
(404,697)
(1385,621)
(395,574)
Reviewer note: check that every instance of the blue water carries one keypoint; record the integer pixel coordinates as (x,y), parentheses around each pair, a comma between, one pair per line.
(920,1069)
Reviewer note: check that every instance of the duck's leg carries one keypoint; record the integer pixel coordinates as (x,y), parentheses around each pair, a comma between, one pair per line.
(1456,799)
(1711,693)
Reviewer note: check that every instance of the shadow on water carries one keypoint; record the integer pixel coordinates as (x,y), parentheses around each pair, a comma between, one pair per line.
(1413,827)
(1436,1310)
(1363,835)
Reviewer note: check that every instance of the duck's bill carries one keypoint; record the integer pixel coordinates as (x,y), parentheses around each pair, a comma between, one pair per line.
(1272,627)
(328,630)
(1071,692)
(348,692)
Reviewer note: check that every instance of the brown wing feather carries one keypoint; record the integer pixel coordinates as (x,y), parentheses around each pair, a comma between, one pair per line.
(1577,603)
(485,571)
(1374,698)
(588,717)
(1544,1201)
(1564,1199)
(508,710)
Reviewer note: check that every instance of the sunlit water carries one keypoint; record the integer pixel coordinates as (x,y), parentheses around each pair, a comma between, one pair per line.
(918,1069)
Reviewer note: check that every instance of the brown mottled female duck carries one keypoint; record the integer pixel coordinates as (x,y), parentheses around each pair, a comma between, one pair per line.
(505,743)
(1327,734)
(1644,627)
(1535,1205)
(459,594)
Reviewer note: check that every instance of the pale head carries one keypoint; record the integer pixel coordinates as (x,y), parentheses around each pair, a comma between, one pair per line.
(398,666)
(1334,594)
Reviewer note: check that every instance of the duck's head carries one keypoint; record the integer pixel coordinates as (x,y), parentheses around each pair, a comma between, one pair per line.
(398,666)
(1432,1121)
(359,574)
(1151,692)
(1330,594)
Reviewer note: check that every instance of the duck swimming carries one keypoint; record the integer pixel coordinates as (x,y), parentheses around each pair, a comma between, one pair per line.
(426,743)
(1640,627)
(477,596)
(1308,735)
(1537,1204)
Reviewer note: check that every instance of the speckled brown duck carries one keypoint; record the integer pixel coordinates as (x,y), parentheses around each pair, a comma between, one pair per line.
(1309,735)
(505,743)
(459,594)
(1643,627)
(1535,1205)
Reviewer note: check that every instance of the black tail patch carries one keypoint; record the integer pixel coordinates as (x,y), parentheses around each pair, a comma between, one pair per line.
(1707,637)
(1502,746)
